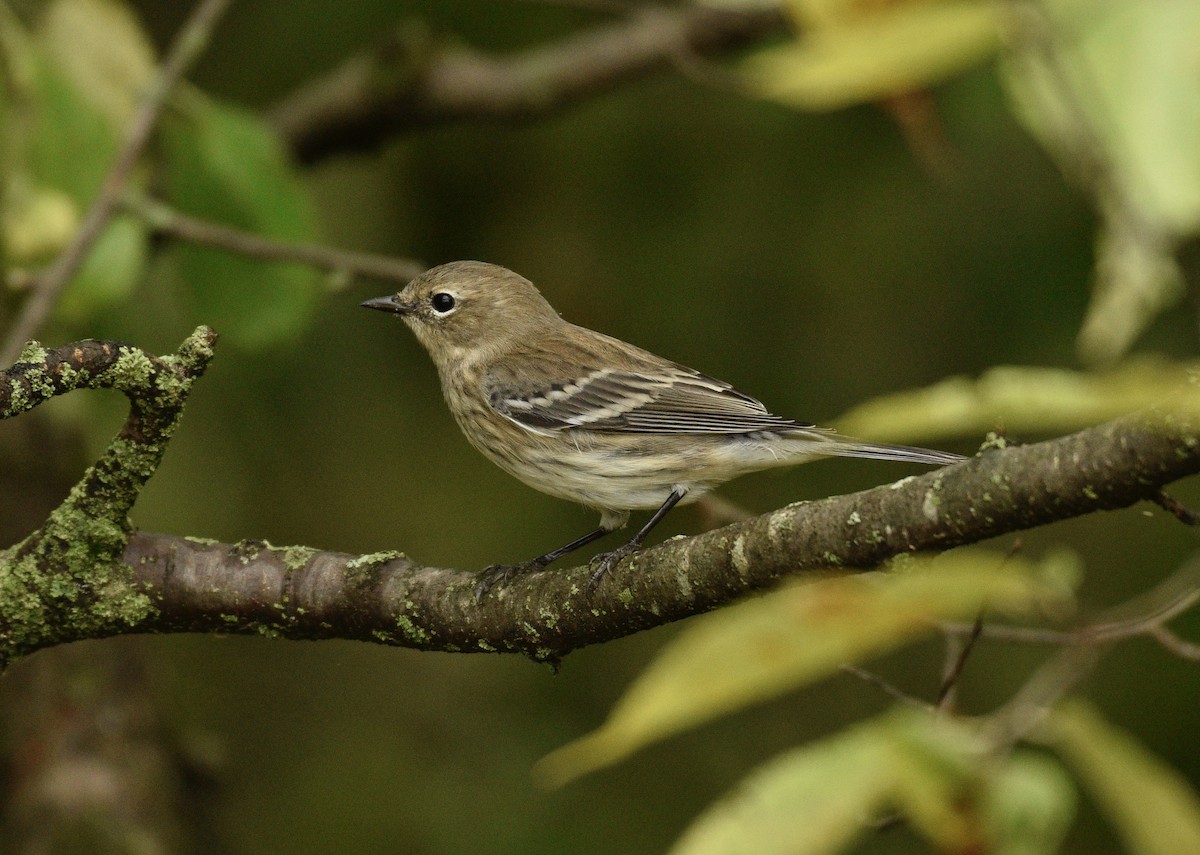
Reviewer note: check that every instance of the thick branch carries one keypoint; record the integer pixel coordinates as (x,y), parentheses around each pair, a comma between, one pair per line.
(83,575)
(410,83)
(388,598)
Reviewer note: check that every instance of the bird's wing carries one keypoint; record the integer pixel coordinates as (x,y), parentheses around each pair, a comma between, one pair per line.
(607,385)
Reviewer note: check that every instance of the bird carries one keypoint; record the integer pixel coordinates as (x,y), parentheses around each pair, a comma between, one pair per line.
(586,417)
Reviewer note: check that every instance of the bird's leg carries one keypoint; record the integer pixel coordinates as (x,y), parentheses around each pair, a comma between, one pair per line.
(602,564)
(495,573)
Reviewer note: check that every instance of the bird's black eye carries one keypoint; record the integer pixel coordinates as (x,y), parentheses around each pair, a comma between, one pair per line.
(442,302)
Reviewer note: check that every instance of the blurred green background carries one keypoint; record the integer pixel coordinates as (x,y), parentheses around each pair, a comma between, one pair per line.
(810,259)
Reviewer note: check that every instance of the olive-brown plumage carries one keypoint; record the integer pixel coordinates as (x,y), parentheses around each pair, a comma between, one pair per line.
(590,418)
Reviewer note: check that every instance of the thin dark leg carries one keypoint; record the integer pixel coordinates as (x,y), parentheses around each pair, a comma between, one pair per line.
(489,576)
(606,561)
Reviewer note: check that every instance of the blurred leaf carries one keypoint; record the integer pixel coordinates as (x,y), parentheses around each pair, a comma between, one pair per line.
(225,164)
(1154,809)
(839,60)
(1021,400)
(37,221)
(1029,806)
(112,268)
(59,146)
(99,46)
(935,772)
(71,144)
(797,635)
(809,801)
(1110,89)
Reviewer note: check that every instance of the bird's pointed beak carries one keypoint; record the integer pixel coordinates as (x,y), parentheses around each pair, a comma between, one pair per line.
(389,303)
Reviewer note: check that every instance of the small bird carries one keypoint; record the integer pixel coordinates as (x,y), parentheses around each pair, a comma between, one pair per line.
(583,416)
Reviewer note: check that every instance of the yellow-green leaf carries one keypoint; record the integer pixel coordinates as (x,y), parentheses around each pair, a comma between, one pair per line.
(1110,89)
(809,801)
(1029,805)
(1153,808)
(933,772)
(761,648)
(1021,400)
(100,47)
(881,52)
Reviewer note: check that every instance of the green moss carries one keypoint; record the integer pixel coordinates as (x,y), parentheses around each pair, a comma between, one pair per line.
(32,354)
(412,632)
(295,557)
(361,571)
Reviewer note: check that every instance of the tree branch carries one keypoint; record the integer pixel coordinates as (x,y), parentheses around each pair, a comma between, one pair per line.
(83,575)
(164,220)
(409,82)
(67,581)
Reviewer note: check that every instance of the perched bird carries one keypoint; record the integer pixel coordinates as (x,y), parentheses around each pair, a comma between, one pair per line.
(587,417)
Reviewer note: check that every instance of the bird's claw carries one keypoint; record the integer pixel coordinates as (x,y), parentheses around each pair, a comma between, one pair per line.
(604,563)
(495,574)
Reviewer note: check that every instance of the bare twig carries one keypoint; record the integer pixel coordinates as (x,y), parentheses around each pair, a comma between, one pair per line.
(958,649)
(1181,511)
(1146,614)
(187,47)
(883,685)
(1010,724)
(166,220)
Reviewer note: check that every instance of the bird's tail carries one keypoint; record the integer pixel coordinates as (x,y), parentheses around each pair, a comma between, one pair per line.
(841,446)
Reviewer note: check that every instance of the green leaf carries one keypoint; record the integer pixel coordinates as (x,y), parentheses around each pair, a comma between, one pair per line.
(226,165)
(1023,400)
(99,46)
(70,144)
(809,801)
(840,60)
(112,268)
(934,772)
(761,648)
(1029,806)
(1153,808)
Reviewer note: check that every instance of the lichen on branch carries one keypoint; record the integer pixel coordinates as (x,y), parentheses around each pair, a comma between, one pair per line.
(68,579)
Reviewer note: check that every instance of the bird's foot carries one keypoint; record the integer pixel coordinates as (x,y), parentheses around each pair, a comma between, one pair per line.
(495,574)
(604,563)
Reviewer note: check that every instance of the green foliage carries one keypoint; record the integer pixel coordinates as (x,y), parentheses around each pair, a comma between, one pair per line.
(803,633)
(76,78)
(225,164)
(906,764)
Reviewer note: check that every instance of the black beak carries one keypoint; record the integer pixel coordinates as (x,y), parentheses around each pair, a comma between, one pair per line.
(386,304)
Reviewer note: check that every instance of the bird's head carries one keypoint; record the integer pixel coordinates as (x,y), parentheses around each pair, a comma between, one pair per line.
(469,309)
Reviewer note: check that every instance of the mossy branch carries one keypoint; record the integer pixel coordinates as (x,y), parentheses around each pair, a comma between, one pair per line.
(84,574)
(68,580)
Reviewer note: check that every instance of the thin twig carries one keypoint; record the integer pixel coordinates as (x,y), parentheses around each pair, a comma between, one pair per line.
(166,220)
(1172,505)
(187,47)
(886,687)
(958,649)
(1146,614)
(1009,725)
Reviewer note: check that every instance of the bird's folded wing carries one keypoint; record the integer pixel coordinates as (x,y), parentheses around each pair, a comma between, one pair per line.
(669,399)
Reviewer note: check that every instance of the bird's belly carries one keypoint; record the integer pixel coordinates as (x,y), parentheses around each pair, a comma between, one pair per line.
(629,472)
